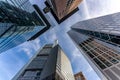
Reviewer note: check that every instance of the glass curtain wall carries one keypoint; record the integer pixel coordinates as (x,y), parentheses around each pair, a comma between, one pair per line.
(17,25)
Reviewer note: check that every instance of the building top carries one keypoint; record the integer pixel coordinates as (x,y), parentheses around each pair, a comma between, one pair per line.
(79,76)
(62,9)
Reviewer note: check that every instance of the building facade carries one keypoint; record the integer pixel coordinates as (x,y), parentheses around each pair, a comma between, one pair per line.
(98,41)
(49,64)
(18,23)
(63,7)
(79,76)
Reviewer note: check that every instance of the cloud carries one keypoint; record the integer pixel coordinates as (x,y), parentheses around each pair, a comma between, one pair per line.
(100,8)
(30,47)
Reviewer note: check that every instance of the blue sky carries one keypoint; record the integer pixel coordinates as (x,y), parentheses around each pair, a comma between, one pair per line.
(13,60)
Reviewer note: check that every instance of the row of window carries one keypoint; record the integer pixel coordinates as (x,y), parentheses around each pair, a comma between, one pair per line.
(113,39)
(102,55)
(30,75)
(17,16)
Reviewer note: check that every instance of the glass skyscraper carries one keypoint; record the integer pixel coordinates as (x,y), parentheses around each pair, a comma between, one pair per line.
(19,22)
(98,40)
(50,63)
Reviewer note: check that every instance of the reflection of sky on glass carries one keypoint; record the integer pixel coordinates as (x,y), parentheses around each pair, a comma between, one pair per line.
(12,60)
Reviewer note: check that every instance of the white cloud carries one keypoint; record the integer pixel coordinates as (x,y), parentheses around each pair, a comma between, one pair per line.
(30,47)
(96,8)
(86,11)
(75,55)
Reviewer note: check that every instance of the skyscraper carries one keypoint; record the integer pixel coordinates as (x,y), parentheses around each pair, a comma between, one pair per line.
(62,8)
(19,23)
(79,76)
(50,63)
(98,40)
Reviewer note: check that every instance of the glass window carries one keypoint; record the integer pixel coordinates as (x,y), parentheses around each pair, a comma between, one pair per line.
(91,55)
(98,50)
(97,34)
(101,65)
(91,33)
(115,40)
(104,61)
(104,49)
(92,46)
(94,52)
(87,46)
(115,54)
(104,36)
(110,58)
(84,49)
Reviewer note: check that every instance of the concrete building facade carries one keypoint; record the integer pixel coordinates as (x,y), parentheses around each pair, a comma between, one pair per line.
(50,63)
(98,41)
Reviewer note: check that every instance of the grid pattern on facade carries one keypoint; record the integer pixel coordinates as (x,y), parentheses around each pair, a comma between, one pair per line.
(30,75)
(106,37)
(104,57)
(106,24)
(34,69)
(17,16)
(17,25)
(21,4)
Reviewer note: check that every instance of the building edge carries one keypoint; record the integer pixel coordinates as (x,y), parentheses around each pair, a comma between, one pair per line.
(26,65)
(99,73)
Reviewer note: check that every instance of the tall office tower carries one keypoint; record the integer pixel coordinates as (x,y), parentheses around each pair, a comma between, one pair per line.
(18,25)
(49,64)
(63,7)
(21,4)
(98,40)
(79,76)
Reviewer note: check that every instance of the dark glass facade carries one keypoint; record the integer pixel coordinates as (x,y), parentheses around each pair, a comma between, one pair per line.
(105,28)
(18,24)
(109,38)
(35,67)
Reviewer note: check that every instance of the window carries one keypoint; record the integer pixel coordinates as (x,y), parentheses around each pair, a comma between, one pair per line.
(91,55)
(110,58)
(115,40)
(94,52)
(104,61)
(101,65)
(104,36)
(97,34)
(97,50)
